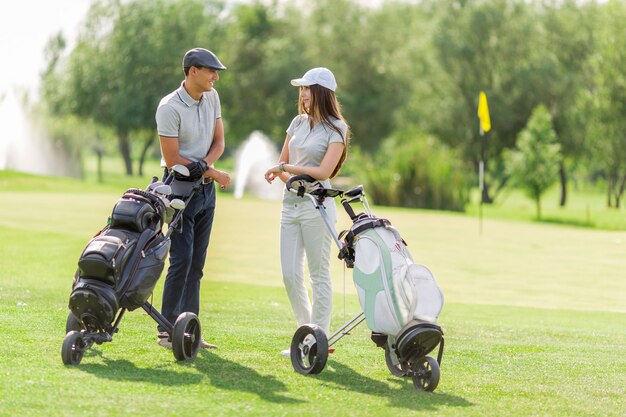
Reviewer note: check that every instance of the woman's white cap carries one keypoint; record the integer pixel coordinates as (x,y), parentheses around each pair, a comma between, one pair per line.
(321,76)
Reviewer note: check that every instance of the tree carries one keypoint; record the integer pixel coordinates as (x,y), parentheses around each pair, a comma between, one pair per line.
(375,70)
(568,43)
(127,57)
(490,46)
(533,166)
(606,101)
(264,51)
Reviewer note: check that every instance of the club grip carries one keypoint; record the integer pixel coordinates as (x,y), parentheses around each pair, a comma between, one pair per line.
(348,208)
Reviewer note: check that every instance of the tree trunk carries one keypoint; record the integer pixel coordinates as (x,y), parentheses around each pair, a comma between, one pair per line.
(620,191)
(563,178)
(99,154)
(538,203)
(609,189)
(144,151)
(124,146)
(485,197)
(501,186)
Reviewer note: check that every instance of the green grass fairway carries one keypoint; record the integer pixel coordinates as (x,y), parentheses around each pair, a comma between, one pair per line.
(535,320)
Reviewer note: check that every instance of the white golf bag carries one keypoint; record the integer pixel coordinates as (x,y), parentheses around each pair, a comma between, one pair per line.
(393,290)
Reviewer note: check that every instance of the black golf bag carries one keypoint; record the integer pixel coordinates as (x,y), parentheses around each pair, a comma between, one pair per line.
(121,265)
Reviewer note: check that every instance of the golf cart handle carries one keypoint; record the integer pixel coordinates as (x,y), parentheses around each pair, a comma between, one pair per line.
(303,177)
(354,192)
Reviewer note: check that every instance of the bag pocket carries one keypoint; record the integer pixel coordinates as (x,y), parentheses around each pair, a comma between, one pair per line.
(148,272)
(131,214)
(103,259)
(429,298)
(93,303)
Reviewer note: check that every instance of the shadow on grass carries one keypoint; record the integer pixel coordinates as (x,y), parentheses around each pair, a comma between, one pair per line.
(406,397)
(122,369)
(222,373)
(232,376)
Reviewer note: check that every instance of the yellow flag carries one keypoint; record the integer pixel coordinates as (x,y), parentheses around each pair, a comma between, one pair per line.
(483,112)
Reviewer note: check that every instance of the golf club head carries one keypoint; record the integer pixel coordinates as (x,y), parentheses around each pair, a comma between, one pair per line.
(181,170)
(355,192)
(177,204)
(163,189)
(153,185)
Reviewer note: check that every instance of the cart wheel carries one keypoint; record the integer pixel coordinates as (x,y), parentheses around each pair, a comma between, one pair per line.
(309,349)
(73,348)
(426,374)
(72,323)
(186,336)
(395,369)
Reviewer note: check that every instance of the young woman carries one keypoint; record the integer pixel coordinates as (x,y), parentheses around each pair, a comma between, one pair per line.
(316,144)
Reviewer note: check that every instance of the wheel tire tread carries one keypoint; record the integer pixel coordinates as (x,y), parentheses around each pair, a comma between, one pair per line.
(433,380)
(69,355)
(321,356)
(183,323)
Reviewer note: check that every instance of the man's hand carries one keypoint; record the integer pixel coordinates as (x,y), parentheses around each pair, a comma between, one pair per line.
(197,169)
(222,178)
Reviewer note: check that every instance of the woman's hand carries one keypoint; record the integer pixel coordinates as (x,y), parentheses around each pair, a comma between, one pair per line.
(272,173)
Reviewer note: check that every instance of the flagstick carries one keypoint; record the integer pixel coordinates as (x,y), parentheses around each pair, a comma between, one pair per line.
(485,125)
(481,182)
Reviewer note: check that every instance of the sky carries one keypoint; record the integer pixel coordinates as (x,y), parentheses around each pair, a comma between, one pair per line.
(25,27)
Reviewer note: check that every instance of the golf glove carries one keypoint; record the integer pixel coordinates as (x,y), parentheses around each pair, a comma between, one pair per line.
(197,169)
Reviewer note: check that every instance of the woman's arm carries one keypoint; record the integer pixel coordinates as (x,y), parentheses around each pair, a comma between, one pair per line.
(321,172)
(283,159)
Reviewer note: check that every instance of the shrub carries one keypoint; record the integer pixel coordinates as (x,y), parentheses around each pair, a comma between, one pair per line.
(412,169)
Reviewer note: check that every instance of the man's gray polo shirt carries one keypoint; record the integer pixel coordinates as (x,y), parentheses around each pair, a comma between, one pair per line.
(192,122)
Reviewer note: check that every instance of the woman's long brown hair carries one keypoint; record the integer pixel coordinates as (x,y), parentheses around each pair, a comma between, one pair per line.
(324,107)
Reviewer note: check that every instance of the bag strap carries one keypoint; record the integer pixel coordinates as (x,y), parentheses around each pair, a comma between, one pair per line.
(370,225)
(351,233)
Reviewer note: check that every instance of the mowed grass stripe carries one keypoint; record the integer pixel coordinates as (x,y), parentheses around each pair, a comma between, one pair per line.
(511,263)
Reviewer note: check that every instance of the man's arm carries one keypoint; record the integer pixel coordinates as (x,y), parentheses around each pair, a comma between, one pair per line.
(218,145)
(170,151)
(216,150)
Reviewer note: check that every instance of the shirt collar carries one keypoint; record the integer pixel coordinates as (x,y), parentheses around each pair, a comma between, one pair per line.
(185,97)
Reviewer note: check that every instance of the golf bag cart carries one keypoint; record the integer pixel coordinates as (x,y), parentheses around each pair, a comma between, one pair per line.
(121,265)
(399,298)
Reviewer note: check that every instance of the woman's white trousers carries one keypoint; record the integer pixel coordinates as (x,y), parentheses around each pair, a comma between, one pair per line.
(303,233)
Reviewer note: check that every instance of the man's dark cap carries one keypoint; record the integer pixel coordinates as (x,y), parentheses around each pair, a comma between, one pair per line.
(200,57)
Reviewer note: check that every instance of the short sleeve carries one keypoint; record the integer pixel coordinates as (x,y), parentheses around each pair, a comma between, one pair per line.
(218,106)
(335,137)
(168,121)
(291,130)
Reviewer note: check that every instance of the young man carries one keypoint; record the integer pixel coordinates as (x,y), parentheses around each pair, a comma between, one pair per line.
(191,133)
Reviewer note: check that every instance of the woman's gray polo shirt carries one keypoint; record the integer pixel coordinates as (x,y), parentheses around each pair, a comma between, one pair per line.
(307,147)
(192,122)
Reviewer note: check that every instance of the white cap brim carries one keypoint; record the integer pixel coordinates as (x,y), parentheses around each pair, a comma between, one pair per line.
(301,81)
